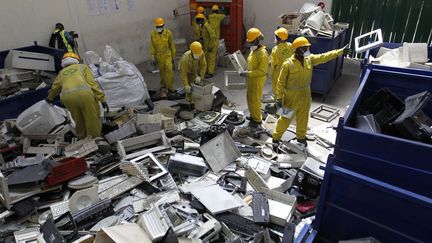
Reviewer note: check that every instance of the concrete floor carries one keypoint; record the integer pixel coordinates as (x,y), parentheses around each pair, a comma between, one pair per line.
(339,96)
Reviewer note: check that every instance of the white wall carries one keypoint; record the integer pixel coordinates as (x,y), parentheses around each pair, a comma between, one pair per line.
(264,14)
(22,22)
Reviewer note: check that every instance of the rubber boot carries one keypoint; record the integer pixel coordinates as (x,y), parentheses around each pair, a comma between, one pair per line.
(275,145)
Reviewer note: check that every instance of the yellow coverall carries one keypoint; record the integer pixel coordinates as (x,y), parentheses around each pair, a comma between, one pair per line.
(162,48)
(257,71)
(81,95)
(215,20)
(209,41)
(280,53)
(294,88)
(190,69)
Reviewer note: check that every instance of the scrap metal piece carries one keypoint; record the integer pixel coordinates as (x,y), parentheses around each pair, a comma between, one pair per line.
(154,223)
(239,224)
(314,167)
(106,222)
(325,113)
(260,165)
(120,188)
(43,148)
(260,206)
(206,231)
(110,182)
(186,165)
(22,161)
(158,139)
(150,158)
(377,40)
(60,208)
(255,180)
(124,131)
(220,151)
(92,211)
(135,169)
(238,61)
(81,148)
(215,199)
(147,123)
(26,235)
(281,206)
(30,174)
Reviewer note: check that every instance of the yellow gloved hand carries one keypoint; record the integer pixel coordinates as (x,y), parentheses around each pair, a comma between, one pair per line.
(188,89)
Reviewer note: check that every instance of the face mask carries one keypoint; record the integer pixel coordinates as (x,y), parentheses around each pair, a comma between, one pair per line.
(275,40)
(159,29)
(196,56)
(68,61)
(307,53)
(253,48)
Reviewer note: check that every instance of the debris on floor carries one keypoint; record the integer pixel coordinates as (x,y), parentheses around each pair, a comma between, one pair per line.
(167,174)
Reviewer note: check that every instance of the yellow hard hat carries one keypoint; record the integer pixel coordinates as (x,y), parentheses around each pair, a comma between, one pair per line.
(215,8)
(300,42)
(252,34)
(72,55)
(158,22)
(282,33)
(200,16)
(196,48)
(200,9)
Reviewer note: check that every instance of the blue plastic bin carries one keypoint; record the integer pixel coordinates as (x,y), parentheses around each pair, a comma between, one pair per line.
(373,52)
(325,75)
(353,206)
(400,162)
(10,108)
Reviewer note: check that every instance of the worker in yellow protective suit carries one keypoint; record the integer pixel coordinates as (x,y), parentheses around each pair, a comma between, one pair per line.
(207,38)
(280,53)
(80,94)
(215,19)
(192,68)
(200,10)
(293,88)
(62,39)
(256,74)
(162,51)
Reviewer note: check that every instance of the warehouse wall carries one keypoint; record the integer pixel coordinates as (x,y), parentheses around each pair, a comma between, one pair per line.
(22,22)
(264,14)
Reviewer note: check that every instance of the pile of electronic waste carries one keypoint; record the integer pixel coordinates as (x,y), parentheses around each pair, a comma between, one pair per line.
(25,71)
(311,20)
(166,173)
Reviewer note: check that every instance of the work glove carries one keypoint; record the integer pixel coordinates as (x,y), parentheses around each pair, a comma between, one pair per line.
(347,51)
(198,80)
(188,89)
(244,74)
(279,103)
(105,106)
(49,101)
